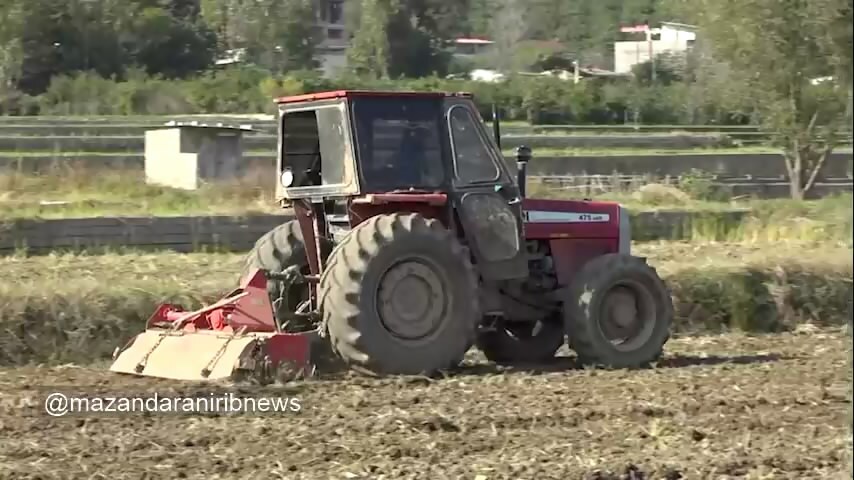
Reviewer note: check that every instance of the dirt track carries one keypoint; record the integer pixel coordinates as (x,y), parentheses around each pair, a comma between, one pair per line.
(718,407)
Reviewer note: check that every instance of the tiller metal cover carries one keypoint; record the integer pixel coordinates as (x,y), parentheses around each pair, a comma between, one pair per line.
(237,334)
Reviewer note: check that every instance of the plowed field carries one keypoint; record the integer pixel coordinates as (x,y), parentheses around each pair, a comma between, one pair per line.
(732,406)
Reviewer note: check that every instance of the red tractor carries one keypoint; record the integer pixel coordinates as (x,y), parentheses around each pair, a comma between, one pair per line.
(412,242)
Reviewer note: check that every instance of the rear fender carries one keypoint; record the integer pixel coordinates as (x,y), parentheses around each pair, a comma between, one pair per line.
(429,205)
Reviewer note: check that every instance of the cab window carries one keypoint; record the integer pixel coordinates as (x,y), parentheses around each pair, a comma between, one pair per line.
(472,159)
(314,145)
(399,142)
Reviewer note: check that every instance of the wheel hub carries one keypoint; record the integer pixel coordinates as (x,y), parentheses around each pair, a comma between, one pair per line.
(622,321)
(411,300)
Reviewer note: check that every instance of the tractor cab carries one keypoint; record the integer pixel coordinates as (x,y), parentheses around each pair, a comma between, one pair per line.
(346,155)
(348,143)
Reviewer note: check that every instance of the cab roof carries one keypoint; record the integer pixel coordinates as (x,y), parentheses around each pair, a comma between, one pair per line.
(308,97)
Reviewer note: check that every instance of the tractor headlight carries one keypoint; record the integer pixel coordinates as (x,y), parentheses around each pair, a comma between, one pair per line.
(287,178)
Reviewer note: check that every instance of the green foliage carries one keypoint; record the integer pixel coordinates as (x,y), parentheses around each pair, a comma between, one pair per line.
(231,90)
(85,93)
(13,102)
(667,69)
(298,38)
(249,89)
(369,53)
(700,185)
(277,35)
(189,43)
(776,48)
(402,38)
(45,38)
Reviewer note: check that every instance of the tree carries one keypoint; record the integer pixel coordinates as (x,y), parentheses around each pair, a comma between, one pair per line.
(670,67)
(299,38)
(190,44)
(394,38)
(368,54)
(11,48)
(836,43)
(507,30)
(776,50)
(104,36)
(278,35)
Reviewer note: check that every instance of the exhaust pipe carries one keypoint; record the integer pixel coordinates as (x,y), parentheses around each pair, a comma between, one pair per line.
(523,156)
(523,153)
(496,125)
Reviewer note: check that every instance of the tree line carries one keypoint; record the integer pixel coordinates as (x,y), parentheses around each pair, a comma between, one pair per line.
(40,39)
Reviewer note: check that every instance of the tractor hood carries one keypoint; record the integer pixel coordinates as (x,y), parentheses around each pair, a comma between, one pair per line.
(551,219)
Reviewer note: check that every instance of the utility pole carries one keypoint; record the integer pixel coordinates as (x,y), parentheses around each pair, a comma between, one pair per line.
(651,54)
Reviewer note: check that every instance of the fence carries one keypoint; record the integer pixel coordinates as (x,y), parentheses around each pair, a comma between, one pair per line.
(187,234)
(747,185)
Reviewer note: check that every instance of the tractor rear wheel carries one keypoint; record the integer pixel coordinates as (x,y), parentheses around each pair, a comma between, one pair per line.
(399,296)
(277,250)
(618,313)
(522,342)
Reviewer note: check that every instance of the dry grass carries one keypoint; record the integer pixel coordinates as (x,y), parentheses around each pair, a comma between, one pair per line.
(658,194)
(756,286)
(79,307)
(84,192)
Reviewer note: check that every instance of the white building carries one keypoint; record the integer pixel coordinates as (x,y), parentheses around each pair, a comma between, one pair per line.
(469,47)
(670,37)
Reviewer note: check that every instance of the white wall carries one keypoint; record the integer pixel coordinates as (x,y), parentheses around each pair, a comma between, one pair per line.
(629,54)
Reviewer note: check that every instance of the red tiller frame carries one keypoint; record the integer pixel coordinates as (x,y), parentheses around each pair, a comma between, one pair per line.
(246,309)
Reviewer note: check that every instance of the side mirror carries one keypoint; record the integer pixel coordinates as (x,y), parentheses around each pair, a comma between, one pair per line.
(523,154)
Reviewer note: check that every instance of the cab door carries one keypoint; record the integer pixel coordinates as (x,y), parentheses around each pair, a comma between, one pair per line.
(484,195)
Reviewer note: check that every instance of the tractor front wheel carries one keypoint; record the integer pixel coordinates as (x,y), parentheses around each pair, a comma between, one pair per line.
(399,296)
(277,250)
(618,313)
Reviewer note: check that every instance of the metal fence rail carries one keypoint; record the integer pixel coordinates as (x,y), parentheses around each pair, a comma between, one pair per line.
(237,233)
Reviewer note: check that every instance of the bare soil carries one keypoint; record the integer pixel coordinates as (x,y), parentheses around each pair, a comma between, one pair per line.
(731,406)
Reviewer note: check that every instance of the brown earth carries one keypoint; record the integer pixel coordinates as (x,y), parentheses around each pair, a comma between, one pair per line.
(732,406)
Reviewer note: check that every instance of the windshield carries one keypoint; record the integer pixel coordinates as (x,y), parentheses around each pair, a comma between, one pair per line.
(399,142)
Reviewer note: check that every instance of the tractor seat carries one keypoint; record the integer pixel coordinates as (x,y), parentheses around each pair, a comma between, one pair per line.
(410,161)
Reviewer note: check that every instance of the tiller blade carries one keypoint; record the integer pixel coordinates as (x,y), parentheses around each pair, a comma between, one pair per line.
(232,338)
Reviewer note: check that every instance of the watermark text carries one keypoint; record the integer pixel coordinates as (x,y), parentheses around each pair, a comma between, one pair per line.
(59,404)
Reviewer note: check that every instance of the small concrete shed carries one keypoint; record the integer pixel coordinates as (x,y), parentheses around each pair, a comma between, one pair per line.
(184,155)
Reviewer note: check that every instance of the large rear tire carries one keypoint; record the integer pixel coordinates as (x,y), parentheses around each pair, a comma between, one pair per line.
(399,296)
(277,250)
(618,313)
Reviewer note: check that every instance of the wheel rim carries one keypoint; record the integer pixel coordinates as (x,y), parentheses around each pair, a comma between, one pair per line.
(412,299)
(627,315)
